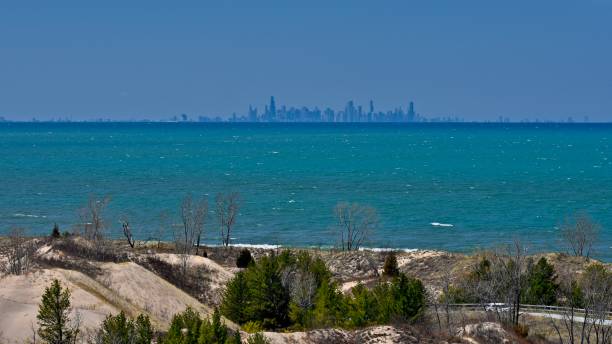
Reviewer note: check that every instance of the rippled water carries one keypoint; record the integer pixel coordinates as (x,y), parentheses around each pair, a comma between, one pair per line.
(446,186)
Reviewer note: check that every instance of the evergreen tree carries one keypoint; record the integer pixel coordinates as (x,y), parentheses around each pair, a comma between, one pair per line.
(362,307)
(409,297)
(184,328)
(541,284)
(213,332)
(116,329)
(269,298)
(55,233)
(236,299)
(390,268)
(244,259)
(53,315)
(143,330)
(330,306)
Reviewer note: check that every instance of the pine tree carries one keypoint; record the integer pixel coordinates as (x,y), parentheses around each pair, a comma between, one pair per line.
(390,268)
(213,332)
(143,330)
(236,299)
(184,328)
(409,297)
(541,284)
(53,315)
(269,298)
(362,307)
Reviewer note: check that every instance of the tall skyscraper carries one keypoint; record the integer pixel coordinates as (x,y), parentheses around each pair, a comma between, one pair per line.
(410,115)
(272,108)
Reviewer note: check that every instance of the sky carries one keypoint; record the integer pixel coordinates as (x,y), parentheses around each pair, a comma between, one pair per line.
(154,59)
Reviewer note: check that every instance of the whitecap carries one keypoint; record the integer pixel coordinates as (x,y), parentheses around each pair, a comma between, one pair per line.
(264,246)
(28,215)
(291,201)
(386,249)
(438,224)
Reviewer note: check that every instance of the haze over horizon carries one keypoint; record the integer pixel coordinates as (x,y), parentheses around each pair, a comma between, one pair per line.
(477,60)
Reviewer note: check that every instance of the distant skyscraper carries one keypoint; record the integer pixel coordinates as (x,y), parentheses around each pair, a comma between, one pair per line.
(272,108)
(410,115)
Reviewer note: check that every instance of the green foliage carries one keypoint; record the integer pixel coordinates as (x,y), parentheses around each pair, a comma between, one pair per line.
(236,299)
(184,328)
(482,272)
(252,326)
(409,297)
(213,332)
(296,290)
(457,294)
(53,315)
(401,300)
(244,258)
(330,306)
(316,266)
(575,296)
(269,298)
(189,328)
(235,339)
(363,310)
(390,268)
(118,329)
(143,329)
(541,284)
(257,338)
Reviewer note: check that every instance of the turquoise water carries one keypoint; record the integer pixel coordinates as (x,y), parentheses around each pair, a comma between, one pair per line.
(492,182)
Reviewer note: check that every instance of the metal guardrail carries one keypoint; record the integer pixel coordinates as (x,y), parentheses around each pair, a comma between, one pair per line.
(539,308)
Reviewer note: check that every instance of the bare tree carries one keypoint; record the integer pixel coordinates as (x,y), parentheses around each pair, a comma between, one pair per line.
(127,231)
(568,322)
(193,217)
(509,266)
(580,232)
(19,252)
(596,285)
(227,211)
(355,224)
(161,229)
(92,218)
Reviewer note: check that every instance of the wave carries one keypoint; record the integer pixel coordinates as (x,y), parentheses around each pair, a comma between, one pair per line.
(438,224)
(386,249)
(29,215)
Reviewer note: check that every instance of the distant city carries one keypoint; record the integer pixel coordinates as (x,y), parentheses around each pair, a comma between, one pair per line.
(350,114)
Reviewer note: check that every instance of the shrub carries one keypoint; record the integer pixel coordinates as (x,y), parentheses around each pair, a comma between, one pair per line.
(390,268)
(252,327)
(402,299)
(244,259)
(362,307)
(55,233)
(184,328)
(258,338)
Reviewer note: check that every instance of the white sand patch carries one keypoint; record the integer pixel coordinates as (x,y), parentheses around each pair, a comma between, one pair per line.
(406,258)
(21,295)
(149,292)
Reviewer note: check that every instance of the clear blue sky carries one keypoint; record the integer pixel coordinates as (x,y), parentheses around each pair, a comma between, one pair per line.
(476,59)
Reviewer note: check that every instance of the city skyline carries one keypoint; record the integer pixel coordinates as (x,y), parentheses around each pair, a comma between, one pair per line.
(474,59)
